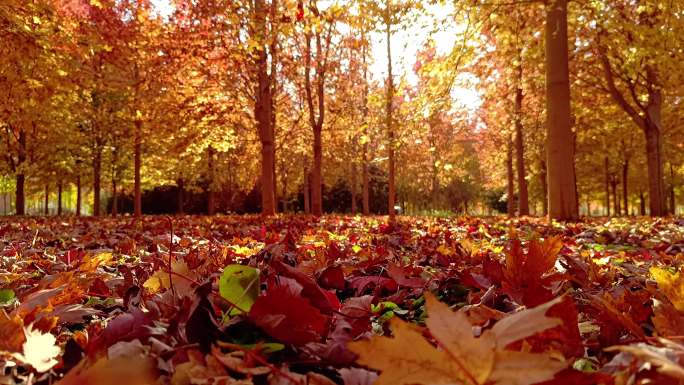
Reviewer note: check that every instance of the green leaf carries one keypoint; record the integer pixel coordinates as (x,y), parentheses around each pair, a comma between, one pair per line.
(6,297)
(239,285)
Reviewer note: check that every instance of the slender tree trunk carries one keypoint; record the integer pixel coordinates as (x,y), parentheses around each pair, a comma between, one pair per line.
(613,189)
(46,210)
(545,189)
(262,113)
(365,194)
(59,198)
(673,203)
(115,199)
(625,193)
(607,184)
(211,204)
(510,183)
(390,130)
(273,50)
(316,120)
(20,197)
(137,198)
(353,187)
(78,195)
(523,201)
(307,190)
(642,204)
(434,188)
(588,205)
(97,174)
(560,138)
(650,123)
(19,202)
(316,182)
(180,197)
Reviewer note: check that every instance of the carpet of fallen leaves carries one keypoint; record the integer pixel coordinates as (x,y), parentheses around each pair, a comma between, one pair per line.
(340,300)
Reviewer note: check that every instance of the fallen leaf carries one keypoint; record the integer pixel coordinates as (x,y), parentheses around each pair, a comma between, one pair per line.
(240,286)
(664,359)
(39,350)
(129,370)
(672,286)
(462,358)
(12,336)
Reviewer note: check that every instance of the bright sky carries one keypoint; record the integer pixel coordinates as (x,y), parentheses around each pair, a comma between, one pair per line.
(405,44)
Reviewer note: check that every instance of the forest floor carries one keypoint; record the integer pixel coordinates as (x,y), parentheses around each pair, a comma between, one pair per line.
(297,300)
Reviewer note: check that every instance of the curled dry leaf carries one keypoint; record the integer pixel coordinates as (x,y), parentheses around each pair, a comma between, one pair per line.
(665,359)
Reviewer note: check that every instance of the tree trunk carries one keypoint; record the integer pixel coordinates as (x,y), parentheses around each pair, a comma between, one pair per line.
(180,210)
(137,193)
(588,205)
(307,190)
(20,197)
(115,199)
(607,184)
(642,204)
(625,193)
(545,189)
(434,188)
(560,138)
(262,114)
(211,203)
(78,195)
(316,182)
(365,194)
(97,168)
(673,203)
(273,50)
(650,123)
(353,186)
(19,202)
(59,198)
(616,201)
(46,210)
(510,183)
(656,201)
(388,122)
(523,201)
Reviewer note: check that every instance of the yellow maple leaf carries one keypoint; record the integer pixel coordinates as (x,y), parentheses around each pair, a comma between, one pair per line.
(161,279)
(91,262)
(459,357)
(672,286)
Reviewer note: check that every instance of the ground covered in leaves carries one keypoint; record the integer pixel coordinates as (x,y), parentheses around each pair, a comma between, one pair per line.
(340,300)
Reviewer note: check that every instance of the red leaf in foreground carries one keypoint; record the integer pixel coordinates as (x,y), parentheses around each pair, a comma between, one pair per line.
(284,314)
(401,276)
(319,298)
(360,284)
(332,278)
